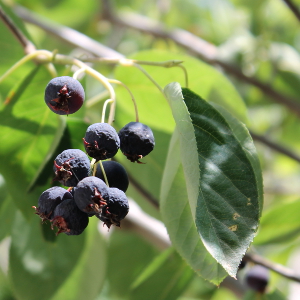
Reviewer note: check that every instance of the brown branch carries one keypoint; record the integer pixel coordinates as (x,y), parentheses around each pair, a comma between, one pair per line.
(293,8)
(279,269)
(274,146)
(22,39)
(143,192)
(67,34)
(197,47)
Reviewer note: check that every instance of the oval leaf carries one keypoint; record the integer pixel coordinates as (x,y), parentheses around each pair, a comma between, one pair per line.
(177,217)
(222,186)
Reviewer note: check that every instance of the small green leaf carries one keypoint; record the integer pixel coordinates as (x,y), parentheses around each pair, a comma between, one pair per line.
(223,190)
(165,278)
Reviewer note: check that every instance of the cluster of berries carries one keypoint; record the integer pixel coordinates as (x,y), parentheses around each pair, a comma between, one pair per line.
(87,195)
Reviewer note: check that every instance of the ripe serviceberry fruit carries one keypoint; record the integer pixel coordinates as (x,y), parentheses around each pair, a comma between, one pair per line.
(116,208)
(242,264)
(48,201)
(69,219)
(91,194)
(115,173)
(257,278)
(71,166)
(64,95)
(136,141)
(101,141)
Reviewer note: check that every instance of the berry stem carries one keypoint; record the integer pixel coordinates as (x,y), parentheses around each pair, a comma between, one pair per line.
(132,97)
(93,169)
(104,109)
(78,72)
(42,55)
(103,172)
(105,83)
(149,77)
(97,98)
(131,62)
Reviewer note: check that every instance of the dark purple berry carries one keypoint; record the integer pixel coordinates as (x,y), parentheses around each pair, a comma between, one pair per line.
(48,201)
(257,278)
(64,95)
(71,166)
(69,219)
(101,141)
(136,141)
(116,209)
(242,264)
(115,173)
(91,194)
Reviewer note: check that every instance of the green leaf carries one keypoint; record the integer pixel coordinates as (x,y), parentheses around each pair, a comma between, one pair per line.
(30,133)
(11,52)
(279,224)
(241,133)
(7,214)
(155,111)
(203,79)
(177,217)
(166,277)
(128,256)
(222,185)
(88,276)
(37,267)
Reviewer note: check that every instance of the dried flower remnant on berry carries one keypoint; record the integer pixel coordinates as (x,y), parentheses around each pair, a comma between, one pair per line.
(48,201)
(116,208)
(69,219)
(101,141)
(136,141)
(91,194)
(71,166)
(64,95)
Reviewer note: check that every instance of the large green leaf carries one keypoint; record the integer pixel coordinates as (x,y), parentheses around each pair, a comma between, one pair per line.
(30,133)
(165,278)
(177,216)
(222,185)
(39,266)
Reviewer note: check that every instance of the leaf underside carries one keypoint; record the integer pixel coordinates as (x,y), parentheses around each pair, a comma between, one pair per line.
(224,191)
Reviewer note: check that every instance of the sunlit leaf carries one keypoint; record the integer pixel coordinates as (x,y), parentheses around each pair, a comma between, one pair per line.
(222,185)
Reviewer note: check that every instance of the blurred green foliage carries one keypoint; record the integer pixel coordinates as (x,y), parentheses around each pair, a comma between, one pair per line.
(261,38)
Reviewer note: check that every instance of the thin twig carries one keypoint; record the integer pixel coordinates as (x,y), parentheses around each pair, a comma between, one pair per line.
(152,200)
(282,270)
(67,34)
(26,44)
(293,8)
(275,146)
(187,40)
(197,47)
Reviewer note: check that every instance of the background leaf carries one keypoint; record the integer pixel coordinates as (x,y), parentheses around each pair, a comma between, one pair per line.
(40,264)
(165,278)
(30,134)
(87,278)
